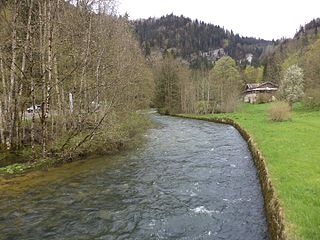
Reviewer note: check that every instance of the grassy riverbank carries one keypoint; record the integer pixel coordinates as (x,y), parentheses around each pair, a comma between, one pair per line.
(123,135)
(292,153)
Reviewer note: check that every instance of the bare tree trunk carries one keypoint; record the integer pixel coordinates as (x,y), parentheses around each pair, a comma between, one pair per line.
(57,86)
(33,97)
(208,96)
(3,102)
(43,37)
(64,111)
(12,93)
(4,85)
(26,46)
(2,138)
(49,30)
(71,103)
(83,82)
(98,76)
(20,132)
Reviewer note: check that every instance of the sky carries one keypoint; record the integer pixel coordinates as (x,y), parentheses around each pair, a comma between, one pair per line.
(267,19)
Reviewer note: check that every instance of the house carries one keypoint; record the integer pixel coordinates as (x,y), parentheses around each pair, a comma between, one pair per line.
(254,90)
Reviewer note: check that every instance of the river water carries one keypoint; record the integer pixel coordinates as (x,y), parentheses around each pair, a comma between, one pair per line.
(191,180)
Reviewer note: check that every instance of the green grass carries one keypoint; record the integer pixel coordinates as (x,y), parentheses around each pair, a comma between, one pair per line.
(292,153)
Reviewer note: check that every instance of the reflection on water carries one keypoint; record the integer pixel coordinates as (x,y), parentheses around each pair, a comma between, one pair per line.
(191,180)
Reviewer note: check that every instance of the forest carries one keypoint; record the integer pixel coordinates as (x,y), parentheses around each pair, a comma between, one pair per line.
(190,39)
(71,75)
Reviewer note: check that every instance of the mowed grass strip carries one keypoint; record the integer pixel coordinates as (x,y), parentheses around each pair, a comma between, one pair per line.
(292,152)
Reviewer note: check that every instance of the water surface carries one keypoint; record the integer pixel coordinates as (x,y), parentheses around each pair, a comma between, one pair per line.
(191,180)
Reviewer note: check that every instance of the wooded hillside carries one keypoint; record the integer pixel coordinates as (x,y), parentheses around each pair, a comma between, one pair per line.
(195,41)
(303,50)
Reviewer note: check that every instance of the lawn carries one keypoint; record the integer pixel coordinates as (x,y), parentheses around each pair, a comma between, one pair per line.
(292,152)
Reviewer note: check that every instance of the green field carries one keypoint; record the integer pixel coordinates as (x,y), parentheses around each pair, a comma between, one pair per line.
(292,152)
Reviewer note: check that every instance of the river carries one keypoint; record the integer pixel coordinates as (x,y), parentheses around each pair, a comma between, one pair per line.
(190,180)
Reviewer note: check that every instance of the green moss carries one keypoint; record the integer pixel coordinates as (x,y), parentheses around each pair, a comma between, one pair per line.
(292,153)
(14,168)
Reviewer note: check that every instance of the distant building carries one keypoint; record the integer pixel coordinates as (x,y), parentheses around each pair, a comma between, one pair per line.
(249,57)
(253,90)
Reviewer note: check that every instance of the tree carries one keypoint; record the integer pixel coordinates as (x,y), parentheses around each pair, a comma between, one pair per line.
(252,74)
(272,68)
(292,84)
(168,84)
(226,83)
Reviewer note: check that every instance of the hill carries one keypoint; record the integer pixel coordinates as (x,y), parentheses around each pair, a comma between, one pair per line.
(196,41)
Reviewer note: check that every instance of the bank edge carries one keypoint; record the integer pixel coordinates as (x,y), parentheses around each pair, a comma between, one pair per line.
(273,209)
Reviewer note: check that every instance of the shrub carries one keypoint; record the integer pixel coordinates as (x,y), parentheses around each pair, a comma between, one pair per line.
(229,104)
(312,99)
(279,111)
(264,98)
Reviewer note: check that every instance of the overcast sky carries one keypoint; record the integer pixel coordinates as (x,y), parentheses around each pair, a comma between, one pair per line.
(267,19)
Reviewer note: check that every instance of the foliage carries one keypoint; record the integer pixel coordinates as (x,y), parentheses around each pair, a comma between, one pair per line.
(292,84)
(272,68)
(253,74)
(263,98)
(312,99)
(279,111)
(168,76)
(311,66)
(15,168)
(226,83)
(80,63)
(127,132)
(203,107)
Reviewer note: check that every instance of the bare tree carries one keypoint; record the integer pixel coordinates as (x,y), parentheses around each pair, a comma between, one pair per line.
(59,50)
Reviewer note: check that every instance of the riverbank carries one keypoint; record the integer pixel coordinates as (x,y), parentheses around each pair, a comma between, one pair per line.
(292,156)
(127,135)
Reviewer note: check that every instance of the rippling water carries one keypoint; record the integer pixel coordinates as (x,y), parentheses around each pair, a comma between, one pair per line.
(191,180)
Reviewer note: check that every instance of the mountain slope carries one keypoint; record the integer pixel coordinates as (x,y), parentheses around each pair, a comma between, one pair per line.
(196,40)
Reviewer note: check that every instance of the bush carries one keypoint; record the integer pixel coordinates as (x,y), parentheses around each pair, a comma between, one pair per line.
(279,111)
(229,104)
(312,99)
(203,107)
(264,98)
